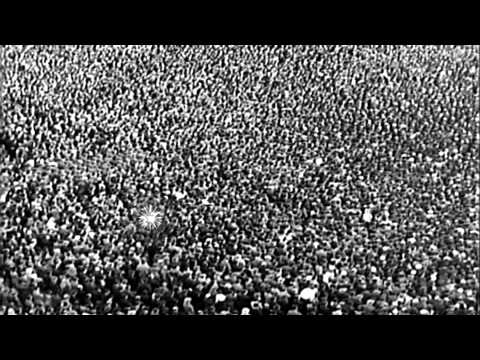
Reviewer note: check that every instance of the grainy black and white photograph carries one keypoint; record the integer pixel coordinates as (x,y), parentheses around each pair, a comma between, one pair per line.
(239,179)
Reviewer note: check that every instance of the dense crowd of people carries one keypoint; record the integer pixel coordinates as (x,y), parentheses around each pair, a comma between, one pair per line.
(292,180)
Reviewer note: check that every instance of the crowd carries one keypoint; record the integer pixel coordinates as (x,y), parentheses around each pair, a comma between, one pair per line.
(293,180)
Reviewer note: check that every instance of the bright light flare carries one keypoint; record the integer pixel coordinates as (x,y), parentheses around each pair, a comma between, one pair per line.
(150,218)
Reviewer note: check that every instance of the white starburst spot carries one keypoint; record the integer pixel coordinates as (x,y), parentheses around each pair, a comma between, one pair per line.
(149,218)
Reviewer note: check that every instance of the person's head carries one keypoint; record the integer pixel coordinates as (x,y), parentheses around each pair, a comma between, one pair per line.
(245,311)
